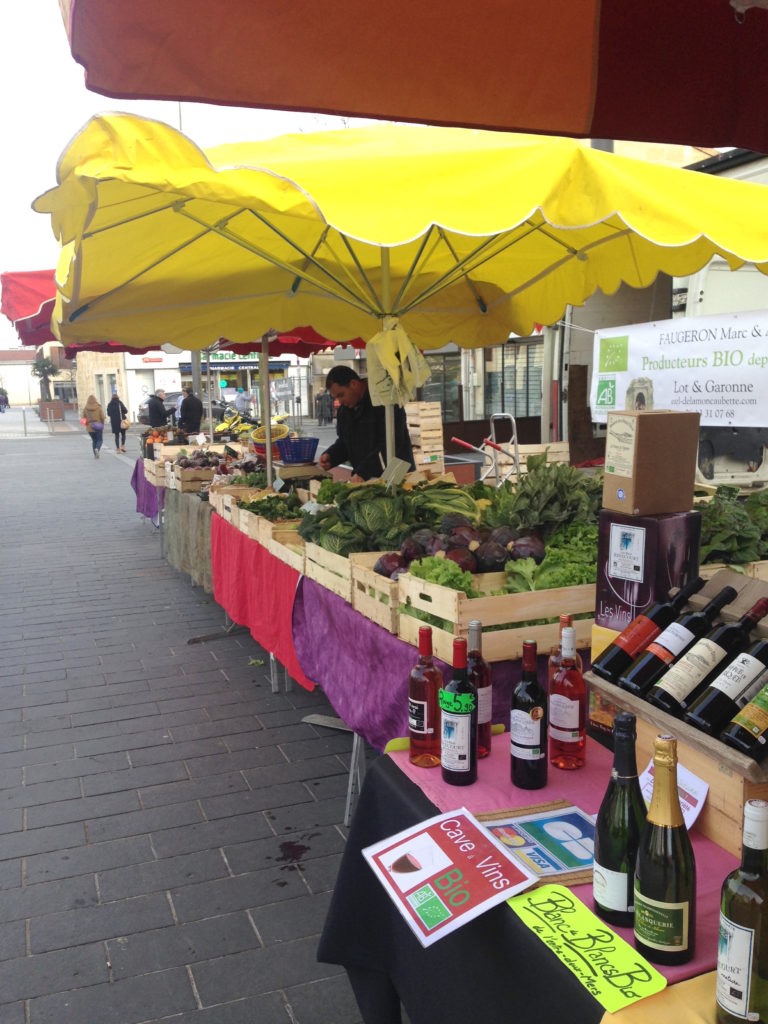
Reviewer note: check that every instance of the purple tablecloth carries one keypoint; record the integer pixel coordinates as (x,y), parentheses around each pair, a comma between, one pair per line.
(147,495)
(363,669)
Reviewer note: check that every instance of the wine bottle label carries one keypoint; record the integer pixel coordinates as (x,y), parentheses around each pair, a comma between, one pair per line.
(455,742)
(735,950)
(754,717)
(612,889)
(686,674)
(661,925)
(739,677)
(563,718)
(525,734)
(484,704)
(417,716)
(637,635)
(671,642)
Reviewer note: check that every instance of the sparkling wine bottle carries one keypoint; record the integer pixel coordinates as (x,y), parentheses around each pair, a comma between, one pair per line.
(479,672)
(568,709)
(528,726)
(748,730)
(635,637)
(671,644)
(665,871)
(679,687)
(620,822)
(731,690)
(742,950)
(424,706)
(458,716)
(556,654)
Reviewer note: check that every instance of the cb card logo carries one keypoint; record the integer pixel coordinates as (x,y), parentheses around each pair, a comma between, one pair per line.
(606,394)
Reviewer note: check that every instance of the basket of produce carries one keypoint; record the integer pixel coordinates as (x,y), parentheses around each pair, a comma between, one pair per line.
(298,449)
(259,437)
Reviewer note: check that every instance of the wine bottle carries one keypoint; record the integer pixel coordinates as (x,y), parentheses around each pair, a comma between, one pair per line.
(479,672)
(458,717)
(741,991)
(556,654)
(671,644)
(423,705)
(679,687)
(619,825)
(665,871)
(646,626)
(730,691)
(568,709)
(528,725)
(747,730)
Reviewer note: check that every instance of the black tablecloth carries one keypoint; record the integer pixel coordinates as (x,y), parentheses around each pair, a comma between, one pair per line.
(491,970)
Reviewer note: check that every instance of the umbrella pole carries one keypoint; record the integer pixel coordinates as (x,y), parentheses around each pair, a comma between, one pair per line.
(210,402)
(266,411)
(389,410)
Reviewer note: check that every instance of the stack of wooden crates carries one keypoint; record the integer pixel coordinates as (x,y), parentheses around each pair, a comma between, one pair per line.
(425,425)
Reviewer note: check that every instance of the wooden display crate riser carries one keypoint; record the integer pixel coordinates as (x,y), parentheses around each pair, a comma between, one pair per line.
(330,570)
(289,547)
(752,570)
(733,778)
(498,644)
(267,528)
(375,596)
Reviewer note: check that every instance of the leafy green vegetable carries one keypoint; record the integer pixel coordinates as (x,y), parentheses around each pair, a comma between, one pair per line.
(727,532)
(274,507)
(428,503)
(570,561)
(756,506)
(331,490)
(445,572)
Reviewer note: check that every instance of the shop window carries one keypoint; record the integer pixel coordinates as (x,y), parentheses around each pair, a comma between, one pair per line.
(513,375)
(443,385)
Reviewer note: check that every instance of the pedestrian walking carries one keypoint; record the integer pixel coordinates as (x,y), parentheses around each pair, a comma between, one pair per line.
(93,421)
(117,413)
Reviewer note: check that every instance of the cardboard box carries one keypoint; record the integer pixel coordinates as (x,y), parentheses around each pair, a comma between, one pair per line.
(640,559)
(650,461)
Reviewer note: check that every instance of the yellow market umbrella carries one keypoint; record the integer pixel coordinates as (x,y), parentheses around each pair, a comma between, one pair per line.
(448,233)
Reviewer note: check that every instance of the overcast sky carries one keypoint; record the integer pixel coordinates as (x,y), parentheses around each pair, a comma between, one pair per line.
(44,103)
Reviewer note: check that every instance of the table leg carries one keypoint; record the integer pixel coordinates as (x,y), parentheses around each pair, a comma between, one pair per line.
(356,776)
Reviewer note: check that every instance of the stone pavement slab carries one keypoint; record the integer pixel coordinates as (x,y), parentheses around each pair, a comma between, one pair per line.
(170,829)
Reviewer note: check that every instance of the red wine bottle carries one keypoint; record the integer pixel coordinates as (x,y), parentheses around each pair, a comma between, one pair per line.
(479,672)
(568,710)
(645,627)
(423,705)
(730,691)
(748,730)
(681,685)
(528,725)
(458,717)
(671,644)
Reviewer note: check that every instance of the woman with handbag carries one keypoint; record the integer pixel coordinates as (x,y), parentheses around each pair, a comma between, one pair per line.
(117,413)
(93,421)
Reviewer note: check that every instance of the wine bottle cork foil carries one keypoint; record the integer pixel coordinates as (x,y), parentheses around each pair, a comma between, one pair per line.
(756,824)
(665,750)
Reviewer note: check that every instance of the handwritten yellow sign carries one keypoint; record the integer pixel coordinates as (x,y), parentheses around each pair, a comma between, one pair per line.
(608,967)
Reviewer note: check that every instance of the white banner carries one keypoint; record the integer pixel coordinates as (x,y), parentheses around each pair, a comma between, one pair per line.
(714,365)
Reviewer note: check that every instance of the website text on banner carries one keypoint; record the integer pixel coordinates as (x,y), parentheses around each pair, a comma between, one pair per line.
(713,365)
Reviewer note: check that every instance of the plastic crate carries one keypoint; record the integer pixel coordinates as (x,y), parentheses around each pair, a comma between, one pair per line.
(298,449)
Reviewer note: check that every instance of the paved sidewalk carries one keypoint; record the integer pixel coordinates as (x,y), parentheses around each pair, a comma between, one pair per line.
(170,830)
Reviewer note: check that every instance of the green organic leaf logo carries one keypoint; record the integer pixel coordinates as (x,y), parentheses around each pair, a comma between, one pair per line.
(614,354)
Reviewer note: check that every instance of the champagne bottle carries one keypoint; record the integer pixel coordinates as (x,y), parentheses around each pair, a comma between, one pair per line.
(423,705)
(528,725)
(665,871)
(556,654)
(619,825)
(742,951)
(568,709)
(671,644)
(479,672)
(747,730)
(679,687)
(458,716)
(645,627)
(734,687)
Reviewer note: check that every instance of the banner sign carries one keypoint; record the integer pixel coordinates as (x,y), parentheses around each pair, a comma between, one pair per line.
(714,365)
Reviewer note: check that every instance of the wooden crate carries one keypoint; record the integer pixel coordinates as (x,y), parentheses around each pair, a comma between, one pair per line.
(268,527)
(425,427)
(288,546)
(154,473)
(505,610)
(248,523)
(733,778)
(556,451)
(191,479)
(373,595)
(330,570)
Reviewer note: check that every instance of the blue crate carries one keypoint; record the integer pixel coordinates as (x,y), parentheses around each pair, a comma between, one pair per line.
(298,449)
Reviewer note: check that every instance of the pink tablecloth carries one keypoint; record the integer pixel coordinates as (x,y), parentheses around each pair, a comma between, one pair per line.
(585,787)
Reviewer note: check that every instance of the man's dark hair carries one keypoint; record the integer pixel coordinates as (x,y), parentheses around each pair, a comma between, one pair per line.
(341,375)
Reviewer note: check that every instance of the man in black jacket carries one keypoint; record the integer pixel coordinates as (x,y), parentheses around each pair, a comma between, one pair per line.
(360,428)
(191,412)
(158,415)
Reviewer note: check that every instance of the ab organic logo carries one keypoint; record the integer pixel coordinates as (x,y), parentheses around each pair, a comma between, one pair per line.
(606,394)
(614,354)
